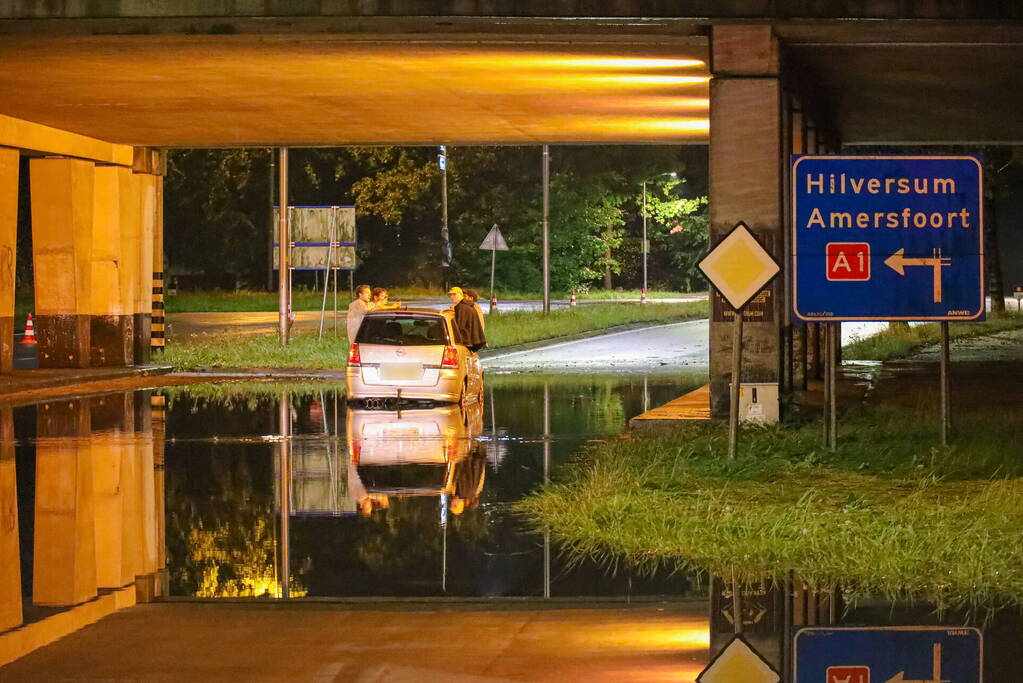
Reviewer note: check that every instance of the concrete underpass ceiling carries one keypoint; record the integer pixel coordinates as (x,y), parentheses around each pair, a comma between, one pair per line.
(222,91)
(900,83)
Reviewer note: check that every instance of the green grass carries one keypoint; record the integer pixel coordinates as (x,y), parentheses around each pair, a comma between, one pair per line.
(505,329)
(901,342)
(890,514)
(307,300)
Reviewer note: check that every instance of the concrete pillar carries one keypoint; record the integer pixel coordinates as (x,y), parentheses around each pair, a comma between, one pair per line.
(160,508)
(112,452)
(746,185)
(129,271)
(797,144)
(146,527)
(8,250)
(10,550)
(158,327)
(62,215)
(147,189)
(110,328)
(64,569)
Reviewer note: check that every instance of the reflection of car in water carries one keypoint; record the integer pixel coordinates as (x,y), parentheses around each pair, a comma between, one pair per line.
(412,354)
(418,452)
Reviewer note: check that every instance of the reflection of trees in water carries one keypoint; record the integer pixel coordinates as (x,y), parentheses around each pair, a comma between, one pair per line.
(393,551)
(221,524)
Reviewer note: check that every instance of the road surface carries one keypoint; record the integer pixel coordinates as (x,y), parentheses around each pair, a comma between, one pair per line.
(668,347)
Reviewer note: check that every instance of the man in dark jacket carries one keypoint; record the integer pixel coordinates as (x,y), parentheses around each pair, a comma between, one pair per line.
(468,329)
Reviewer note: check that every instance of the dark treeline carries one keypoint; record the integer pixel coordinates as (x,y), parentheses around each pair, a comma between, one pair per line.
(217,213)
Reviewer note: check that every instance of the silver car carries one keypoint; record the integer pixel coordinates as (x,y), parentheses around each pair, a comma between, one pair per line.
(412,354)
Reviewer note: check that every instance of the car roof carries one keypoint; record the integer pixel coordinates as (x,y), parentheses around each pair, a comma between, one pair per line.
(405,311)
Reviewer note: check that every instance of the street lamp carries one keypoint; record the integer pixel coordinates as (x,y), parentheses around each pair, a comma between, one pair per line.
(672,174)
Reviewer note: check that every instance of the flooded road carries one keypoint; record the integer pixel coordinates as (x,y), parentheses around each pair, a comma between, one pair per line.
(262,491)
(186,486)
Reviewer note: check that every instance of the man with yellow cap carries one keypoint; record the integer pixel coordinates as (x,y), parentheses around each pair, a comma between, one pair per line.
(466,322)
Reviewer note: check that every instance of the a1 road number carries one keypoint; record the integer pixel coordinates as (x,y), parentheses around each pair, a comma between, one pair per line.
(849,261)
(848,674)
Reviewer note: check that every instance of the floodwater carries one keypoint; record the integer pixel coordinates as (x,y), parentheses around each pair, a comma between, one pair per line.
(187,487)
(270,492)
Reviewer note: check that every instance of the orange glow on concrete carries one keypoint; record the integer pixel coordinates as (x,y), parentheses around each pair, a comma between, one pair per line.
(241,90)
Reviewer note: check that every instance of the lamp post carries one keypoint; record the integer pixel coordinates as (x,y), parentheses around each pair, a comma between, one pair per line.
(673,174)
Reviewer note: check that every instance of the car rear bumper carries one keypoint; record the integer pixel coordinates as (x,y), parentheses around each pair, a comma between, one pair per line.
(448,389)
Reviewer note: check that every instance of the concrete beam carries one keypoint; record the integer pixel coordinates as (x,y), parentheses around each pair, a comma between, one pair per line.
(9,159)
(39,139)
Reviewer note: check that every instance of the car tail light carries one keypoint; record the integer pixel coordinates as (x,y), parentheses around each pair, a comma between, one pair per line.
(450,359)
(356,452)
(353,354)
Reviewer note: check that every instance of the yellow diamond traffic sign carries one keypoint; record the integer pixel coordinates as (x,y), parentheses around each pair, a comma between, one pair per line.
(738,663)
(739,267)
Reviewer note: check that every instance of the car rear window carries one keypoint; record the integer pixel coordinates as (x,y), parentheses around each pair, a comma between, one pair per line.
(404,330)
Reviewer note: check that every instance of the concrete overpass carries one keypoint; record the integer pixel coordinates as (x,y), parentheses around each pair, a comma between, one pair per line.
(94,88)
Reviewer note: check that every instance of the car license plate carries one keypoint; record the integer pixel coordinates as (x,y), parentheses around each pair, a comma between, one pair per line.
(401,372)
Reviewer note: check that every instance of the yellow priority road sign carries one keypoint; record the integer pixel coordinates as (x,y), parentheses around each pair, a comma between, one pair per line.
(739,267)
(738,662)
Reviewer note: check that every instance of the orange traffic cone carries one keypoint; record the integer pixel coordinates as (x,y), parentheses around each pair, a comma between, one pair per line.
(642,295)
(30,332)
(571,302)
(493,302)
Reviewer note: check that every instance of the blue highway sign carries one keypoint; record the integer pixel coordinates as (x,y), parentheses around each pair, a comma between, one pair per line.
(907,654)
(887,238)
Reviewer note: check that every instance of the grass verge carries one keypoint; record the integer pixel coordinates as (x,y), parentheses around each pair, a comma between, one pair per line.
(506,329)
(890,513)
(308,300)
(902,341)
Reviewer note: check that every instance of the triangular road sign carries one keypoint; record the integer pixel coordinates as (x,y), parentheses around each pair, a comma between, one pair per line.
(494,240)
(738,662)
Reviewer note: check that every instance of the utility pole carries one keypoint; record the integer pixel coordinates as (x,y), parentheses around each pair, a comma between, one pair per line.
(546,229)
(445,236)
(273,228)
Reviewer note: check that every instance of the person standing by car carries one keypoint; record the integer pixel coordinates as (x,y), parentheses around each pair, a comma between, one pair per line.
(474,296)
(468,329)
(380,300)
(358,309)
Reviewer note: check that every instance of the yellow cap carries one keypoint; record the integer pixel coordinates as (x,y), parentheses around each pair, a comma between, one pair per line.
(455,290)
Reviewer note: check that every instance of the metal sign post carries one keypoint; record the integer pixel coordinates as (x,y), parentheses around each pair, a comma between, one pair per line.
(738,268)
(1018,293)
(946,395)
(284,240)
(886,238)
(494,241)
